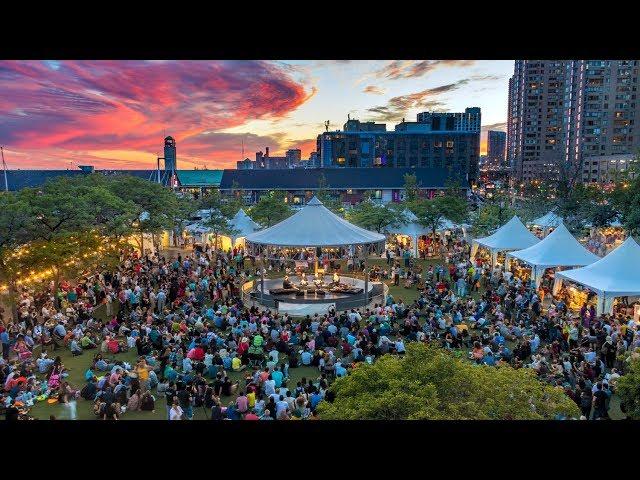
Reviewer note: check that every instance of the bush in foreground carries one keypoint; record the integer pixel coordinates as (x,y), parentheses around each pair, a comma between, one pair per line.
(430,383)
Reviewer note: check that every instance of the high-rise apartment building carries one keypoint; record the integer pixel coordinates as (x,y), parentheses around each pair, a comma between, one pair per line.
(496,149)
(562,112)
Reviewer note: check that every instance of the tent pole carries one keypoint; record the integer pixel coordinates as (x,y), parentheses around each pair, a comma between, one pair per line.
(366,281)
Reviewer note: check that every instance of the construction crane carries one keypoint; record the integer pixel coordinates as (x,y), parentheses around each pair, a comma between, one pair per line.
(4,167)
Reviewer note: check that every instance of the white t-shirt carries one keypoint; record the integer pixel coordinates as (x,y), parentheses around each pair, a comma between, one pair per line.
(176,413)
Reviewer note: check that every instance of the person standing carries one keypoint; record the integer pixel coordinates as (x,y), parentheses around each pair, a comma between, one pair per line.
(176,412)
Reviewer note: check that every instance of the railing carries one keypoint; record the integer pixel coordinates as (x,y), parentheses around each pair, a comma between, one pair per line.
(378,294)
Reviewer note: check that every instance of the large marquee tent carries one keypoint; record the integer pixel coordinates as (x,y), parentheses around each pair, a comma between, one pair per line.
(314,226)
(615,275)
(558,249)
(513,235)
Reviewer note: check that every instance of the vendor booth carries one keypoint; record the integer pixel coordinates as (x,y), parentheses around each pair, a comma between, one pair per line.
(418,238)
(558,249)
(545,223)
(614,276)
(511,236)
(241,224)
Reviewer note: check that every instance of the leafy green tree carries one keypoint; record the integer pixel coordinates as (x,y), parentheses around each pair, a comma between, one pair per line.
(374,216)
(628,388)
(431,383)
(433,213)
(490,216)
(332,203)
(15,224)
(154,207)
(270,209)
(625,198)
(219,225)
(411,188)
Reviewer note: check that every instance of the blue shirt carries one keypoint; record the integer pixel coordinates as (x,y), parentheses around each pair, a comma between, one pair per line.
(315,399)
(306,358)
(277,377)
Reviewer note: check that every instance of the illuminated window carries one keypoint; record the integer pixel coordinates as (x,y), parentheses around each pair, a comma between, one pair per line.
(437,144)
(449,143)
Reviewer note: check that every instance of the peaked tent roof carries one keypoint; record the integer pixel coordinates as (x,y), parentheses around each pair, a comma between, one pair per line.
(244,224)
(548,220)
(558,249)
(616,274)
(513,235)
(314,226)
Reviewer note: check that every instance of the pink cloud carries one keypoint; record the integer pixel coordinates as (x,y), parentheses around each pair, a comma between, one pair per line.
(66,109)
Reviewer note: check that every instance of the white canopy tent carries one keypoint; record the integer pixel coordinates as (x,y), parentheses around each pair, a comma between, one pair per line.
(243,225)
(616,275)
(558,249)
(549,220)
(513,235)
(413,229)
(314,226)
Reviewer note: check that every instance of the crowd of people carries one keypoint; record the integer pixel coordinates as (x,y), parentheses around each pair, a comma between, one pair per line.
(185,318)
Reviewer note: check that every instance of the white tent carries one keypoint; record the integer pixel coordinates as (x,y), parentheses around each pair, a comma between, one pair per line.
(558,249)
(314,226)
(616,275)
(413,229)
(243,224)
(550,220)
(513,235)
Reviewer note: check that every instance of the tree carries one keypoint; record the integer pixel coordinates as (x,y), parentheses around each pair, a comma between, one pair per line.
(155,207)
(625,198)
(411,188)
(492,215)
(375,217)
(433,213)
(628,388)
(219,225)
(328,200)
(431,383)
(271,209)
(15,224)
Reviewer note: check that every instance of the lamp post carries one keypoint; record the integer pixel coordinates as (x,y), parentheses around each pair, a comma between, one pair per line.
(500,211)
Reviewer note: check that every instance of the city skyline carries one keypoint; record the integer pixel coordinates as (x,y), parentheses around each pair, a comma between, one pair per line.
(115,114)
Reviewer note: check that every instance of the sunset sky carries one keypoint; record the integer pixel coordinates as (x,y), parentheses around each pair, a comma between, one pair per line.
(115,114)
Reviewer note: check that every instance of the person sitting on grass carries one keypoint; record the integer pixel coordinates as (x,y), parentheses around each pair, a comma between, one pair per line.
(74,346)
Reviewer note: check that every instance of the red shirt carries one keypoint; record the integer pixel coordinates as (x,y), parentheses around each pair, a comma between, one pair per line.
(251,416)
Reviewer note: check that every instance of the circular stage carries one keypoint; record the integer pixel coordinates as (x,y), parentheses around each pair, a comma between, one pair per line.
(352,296)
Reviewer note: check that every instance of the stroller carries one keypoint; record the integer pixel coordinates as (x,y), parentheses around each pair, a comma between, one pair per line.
(256,356)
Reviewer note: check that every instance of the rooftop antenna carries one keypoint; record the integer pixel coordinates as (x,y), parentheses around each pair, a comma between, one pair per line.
(4,167)
(326,125)
(243,148)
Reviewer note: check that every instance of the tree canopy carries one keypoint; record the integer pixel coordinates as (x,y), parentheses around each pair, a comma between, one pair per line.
(376,217)
(431,383)
(271,209)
